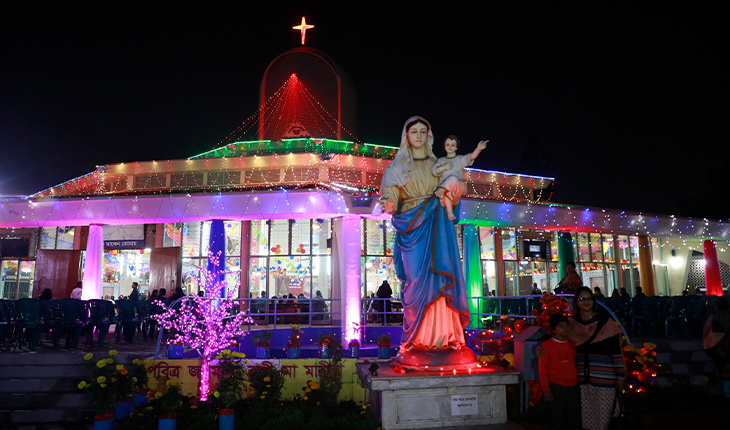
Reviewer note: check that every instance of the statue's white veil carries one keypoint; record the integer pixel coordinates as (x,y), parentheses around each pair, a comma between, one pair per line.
(397,171)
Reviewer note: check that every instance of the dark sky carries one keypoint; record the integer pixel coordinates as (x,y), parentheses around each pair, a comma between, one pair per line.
(622,104)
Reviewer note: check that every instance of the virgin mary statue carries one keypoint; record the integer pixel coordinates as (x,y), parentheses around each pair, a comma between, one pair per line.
(426,255)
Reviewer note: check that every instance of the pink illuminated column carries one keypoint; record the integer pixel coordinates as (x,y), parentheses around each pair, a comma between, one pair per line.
(713,283)
(93,263)
(346,238)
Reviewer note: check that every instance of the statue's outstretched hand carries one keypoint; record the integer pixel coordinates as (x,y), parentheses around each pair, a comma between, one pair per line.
(482,145)
(387,206)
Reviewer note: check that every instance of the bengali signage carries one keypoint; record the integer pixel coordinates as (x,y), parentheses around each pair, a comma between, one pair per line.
(124,236)
(296,374)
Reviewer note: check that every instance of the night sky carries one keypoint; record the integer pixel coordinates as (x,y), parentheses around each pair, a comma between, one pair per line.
(621,104)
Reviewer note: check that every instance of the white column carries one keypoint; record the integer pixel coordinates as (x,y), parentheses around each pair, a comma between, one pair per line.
(93,263)
(346,233)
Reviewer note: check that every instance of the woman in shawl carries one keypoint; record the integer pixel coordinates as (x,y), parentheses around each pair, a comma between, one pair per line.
(601,371)
(426,253)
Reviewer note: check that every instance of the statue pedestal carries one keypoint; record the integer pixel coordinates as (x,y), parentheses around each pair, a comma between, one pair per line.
(436,360)
(453,398)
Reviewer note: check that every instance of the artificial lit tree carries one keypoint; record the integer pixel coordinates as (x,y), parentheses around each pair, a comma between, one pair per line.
(207,323)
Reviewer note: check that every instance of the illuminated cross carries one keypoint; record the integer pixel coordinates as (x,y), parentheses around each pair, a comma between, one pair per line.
(303,28)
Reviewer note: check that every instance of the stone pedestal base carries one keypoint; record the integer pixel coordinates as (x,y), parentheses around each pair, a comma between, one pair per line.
(437,399)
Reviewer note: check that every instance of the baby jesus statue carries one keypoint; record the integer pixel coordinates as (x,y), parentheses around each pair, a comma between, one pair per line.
(451,171)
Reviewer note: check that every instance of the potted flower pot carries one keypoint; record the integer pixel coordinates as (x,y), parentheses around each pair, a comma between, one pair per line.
(175,351)
(293,351)
(167,422)
(263,350)
(123,409)
(384,350)
(104,422)
(226,419)
(139,398)
(324,350)
(353,349)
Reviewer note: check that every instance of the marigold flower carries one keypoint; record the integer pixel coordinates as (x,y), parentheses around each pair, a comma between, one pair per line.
(308,390)
(101,379)
(262,397)
(109,360)
(268,385)
(193,407)
(124,371)
(101,364)
(120,366)
(102,385)
(306,398)
(88,356)
(267,379)
(82,385)
(149,407)
(134,379)
(158,395)
(239,355)
(216,394)
(113,352)
(319,403)
(265,392)
(114,379)
(364,406)
(135,361)
(316,386)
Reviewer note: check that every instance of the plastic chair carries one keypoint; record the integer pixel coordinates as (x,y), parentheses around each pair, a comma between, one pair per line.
(639,311)
(31,322)
(74,318)
(101,317)
(143,315)
(128,321)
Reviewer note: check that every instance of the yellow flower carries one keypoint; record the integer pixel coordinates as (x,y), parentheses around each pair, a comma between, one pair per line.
(113,352)
(364,406)
(267,379)
(114,379)
(88,356)
(101,364)
(306,398)
(193,407)
(251,393)
(268,385)
(124,371)
(134,379)
(102,385)
(316,386)
(109,360)
(262,397)
(158,395)
(120,366)
(308,390)
(265,392)
(82,385)
(239,355)
(135,361)
(101,379)
(172,383)
(216,394)
(149,407)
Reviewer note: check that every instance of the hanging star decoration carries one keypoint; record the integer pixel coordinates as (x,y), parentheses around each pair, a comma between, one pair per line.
(303,27)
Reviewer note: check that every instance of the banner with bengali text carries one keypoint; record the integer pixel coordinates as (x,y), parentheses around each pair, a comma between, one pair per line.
(296,374)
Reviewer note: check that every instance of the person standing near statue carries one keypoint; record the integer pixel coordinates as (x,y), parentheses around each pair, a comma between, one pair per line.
(435,307)
(385,293)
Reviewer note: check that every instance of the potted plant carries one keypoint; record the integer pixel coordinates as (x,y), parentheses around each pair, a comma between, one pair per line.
(353,346)
(175,350)
(384,346)
(101,387)
(123,386)
(167,405)
(325,342)
(231,386)
(262,339)
(139,379)
(294,342)
(266,383)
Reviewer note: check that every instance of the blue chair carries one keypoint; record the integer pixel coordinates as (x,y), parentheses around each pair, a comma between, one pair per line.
(128,321)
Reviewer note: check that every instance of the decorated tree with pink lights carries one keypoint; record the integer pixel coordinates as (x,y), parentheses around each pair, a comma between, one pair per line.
(208,323)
